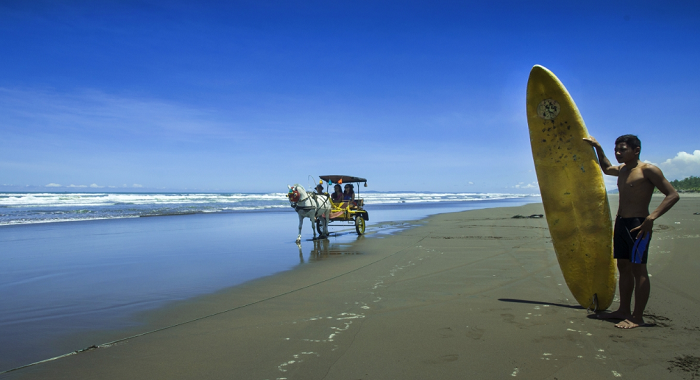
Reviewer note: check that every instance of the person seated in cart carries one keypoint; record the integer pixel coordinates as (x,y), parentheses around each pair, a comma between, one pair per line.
(337,195)
(349,195)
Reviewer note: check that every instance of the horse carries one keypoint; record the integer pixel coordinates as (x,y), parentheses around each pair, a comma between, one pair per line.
(312,206)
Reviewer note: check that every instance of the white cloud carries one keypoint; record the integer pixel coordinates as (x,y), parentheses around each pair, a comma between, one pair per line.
(96,186)
(71,185)
(523,185)
(136,185)
(53,185)
(682,166)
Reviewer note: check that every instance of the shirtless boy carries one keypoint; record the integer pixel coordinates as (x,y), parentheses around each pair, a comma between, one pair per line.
(635,181)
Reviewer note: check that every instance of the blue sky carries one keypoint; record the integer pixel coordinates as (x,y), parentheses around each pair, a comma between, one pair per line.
(255,95)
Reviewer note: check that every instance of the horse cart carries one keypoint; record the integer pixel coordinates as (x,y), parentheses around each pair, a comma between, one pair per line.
(322,209)
(345,212)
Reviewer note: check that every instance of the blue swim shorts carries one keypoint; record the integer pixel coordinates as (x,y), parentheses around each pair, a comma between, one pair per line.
(626,245)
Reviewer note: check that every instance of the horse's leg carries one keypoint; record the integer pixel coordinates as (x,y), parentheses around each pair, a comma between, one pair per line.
(325,225)
(301,222)
(312,217)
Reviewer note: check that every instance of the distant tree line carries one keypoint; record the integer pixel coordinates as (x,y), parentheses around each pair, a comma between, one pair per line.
(690,184)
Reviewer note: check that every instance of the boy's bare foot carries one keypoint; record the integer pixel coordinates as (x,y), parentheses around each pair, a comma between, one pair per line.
(614,315)
(630,324)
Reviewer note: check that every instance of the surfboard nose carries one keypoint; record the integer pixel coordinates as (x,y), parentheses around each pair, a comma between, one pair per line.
(539,71)
(539,68)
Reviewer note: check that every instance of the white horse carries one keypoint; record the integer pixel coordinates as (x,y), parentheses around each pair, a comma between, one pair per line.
(310,205)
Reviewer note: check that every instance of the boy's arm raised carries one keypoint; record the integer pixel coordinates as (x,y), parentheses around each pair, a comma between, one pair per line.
(603,161)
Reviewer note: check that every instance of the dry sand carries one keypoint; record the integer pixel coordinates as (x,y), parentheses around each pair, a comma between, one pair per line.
(475,295)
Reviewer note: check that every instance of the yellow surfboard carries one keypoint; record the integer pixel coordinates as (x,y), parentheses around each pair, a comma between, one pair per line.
(573,192)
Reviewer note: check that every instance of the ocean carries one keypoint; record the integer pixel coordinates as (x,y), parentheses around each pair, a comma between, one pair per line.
(75,263)
(27,208)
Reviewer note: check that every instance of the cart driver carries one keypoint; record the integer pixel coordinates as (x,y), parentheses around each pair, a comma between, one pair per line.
(319,189)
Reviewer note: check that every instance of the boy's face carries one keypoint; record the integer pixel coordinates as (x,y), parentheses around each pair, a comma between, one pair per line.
(624,153)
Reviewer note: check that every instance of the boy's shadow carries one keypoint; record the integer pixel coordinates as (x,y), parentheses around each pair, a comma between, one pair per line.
(657,321)
(540,303)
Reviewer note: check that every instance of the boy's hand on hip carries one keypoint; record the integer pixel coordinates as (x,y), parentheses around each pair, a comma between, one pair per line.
(644,229)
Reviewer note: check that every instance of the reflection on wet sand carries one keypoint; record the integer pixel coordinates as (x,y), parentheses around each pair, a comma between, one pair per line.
(325,248)
(340,242)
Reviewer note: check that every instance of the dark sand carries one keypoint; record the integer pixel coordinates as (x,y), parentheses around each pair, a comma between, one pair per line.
(475,295)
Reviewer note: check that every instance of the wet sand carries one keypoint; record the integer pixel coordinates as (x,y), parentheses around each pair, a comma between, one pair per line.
(476,294)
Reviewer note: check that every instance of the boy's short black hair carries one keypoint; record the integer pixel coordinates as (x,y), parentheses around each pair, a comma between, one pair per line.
(632,141)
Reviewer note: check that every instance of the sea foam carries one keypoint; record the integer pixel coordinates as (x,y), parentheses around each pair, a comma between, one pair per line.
(25,208)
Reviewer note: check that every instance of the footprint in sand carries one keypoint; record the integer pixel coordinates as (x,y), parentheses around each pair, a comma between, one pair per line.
(475,333)
(510,318)
(446,332)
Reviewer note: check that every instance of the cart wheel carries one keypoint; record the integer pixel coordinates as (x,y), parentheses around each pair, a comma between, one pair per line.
(359,225)
(319,227)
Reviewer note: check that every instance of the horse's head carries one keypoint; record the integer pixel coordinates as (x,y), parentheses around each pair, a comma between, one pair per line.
(296,193)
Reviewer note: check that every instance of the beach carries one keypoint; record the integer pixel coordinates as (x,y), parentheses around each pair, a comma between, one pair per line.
(62,279)
(473,294)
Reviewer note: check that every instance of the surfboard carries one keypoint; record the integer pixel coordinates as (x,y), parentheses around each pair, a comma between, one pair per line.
(572,189)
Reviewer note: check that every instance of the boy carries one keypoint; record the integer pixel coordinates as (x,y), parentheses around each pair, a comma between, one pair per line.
(636,182)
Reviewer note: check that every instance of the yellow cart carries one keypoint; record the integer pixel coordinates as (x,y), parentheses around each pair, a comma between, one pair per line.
(346,212)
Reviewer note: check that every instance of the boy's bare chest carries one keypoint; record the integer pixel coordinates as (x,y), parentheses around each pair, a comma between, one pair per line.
(633,181)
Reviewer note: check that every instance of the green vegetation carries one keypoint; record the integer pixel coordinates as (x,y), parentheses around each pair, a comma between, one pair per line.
(687,185)
(690,184)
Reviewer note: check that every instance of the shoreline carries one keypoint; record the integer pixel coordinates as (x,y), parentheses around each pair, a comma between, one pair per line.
(459,292)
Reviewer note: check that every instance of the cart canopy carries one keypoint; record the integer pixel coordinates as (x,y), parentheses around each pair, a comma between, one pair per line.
(342,179)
